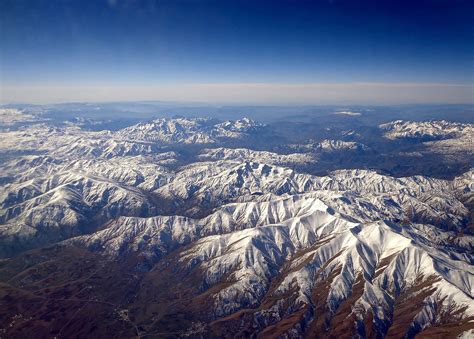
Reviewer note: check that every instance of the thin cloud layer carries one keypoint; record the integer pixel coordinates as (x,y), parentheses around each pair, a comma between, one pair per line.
(251,93)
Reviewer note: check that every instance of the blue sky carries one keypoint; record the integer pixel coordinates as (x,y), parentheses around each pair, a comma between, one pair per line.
(73,50)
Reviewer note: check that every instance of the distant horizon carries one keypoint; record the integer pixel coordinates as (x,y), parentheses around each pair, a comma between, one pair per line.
(230,104)
(273,94)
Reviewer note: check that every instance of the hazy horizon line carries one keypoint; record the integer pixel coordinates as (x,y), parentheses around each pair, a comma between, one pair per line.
(255,93)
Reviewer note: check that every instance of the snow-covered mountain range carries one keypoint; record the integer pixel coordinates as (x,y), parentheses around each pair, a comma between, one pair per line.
(427,130)
(189,131)
(221,241)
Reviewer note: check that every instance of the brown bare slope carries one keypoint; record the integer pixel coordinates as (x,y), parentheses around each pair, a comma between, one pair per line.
(65,291)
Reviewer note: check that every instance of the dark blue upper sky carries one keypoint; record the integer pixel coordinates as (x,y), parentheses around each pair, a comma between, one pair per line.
(151,42)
